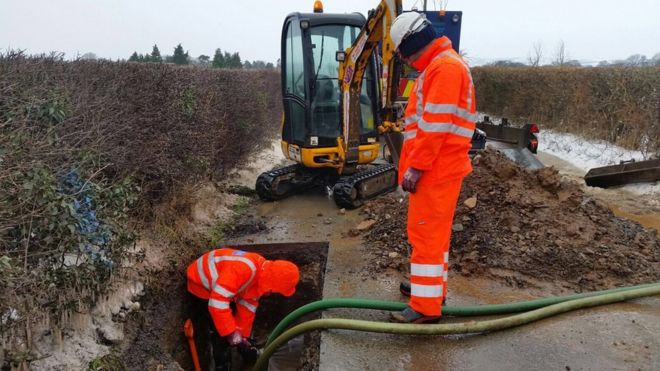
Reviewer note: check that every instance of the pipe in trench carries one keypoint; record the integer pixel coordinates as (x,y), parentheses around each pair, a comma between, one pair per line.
(598,298)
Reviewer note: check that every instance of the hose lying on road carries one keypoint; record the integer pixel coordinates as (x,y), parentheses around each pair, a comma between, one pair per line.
(607,297)
(455,311)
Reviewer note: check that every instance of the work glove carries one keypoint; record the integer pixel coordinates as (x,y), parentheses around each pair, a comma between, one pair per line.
(410,179)
(235,339)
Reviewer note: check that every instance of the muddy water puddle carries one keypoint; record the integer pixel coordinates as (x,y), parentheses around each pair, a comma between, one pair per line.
(651,220)
(641,208)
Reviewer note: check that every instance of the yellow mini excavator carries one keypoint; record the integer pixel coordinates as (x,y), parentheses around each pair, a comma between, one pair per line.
(339,82)
(340,85)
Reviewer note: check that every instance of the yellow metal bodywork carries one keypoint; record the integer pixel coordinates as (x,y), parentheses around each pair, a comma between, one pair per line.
(327,156)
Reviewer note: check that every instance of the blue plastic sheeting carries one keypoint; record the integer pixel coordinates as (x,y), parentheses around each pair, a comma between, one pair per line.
(96,235)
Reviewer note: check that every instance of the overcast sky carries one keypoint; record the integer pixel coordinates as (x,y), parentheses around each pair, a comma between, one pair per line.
(592,30)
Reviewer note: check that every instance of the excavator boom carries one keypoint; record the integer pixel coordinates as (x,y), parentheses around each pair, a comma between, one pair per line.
(352,66)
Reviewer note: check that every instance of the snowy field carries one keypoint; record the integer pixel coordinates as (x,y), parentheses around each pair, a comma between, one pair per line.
(585,154)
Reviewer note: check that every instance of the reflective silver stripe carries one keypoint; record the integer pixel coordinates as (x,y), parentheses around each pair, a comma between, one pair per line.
(409,120)
(410,134)
(446,257)
(244,260)
(420,85)
(212,268)
(444,275)
(218,304)
(200,271)
(445,127)
(425,291)
(451,109)
(223,291)
(426,270)
(247,305)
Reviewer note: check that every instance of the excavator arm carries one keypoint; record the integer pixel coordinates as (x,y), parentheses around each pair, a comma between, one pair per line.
(352,66)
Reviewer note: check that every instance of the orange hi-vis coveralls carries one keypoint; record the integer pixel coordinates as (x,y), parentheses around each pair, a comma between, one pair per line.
(223,276)
(439,123)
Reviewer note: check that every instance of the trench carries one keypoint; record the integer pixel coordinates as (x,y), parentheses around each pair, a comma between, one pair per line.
(311,258)
(156,333)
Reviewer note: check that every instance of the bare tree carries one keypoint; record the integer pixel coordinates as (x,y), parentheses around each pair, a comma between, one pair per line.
(535,55)
(464,54)
(655,60)
(560,54)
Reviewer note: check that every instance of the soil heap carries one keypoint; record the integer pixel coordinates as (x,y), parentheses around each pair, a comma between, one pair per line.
(528,228)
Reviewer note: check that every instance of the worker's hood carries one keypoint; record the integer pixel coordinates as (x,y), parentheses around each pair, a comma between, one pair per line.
(438,46)
(279,276)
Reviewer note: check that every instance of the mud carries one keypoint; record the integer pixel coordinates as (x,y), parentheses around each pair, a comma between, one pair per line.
(528,228)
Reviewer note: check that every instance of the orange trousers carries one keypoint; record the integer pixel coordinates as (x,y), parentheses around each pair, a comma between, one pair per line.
(430,217)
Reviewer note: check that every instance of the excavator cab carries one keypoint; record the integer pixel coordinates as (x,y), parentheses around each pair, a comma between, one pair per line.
(311,92)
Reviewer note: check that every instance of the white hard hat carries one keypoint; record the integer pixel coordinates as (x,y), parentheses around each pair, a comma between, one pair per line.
(406,24)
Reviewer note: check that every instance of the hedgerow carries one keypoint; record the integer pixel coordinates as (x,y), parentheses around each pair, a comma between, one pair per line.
(86,149)
(619,104)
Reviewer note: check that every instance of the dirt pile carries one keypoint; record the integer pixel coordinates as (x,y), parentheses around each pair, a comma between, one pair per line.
(528,228)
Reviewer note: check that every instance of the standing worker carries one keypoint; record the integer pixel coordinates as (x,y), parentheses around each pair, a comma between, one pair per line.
(226,285)
(439,123)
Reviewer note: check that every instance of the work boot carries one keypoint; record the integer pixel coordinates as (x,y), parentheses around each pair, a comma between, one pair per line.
(409,315)
(404,287)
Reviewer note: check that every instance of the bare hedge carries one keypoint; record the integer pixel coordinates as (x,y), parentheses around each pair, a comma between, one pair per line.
(621,105)
(85,144)
(162,122)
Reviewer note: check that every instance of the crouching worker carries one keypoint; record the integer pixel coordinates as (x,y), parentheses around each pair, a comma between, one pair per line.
(226,285)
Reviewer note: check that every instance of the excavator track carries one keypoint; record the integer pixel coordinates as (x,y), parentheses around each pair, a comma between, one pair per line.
(350,192)
(277,184)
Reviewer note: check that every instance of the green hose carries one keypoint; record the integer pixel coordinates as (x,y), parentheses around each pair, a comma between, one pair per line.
(458,328)
(457,311)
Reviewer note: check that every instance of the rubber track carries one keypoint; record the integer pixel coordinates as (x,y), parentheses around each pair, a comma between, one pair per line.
(264,186)
(343,189)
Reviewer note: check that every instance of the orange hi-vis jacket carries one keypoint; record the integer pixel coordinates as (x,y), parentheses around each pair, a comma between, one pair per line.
(440,117)
(224,276)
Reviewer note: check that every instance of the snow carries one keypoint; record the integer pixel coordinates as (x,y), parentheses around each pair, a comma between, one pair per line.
(586,154)
(270,158)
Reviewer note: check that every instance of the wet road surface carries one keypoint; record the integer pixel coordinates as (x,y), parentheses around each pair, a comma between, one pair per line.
(616,337)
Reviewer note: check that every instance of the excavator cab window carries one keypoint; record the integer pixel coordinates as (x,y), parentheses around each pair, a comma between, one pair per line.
(326,41)
(294,84)
(310,85)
